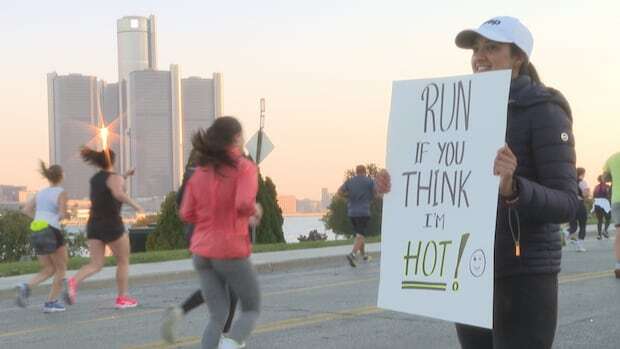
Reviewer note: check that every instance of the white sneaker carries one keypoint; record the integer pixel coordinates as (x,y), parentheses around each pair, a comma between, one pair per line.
(580,247)
(172,315)
(229,343)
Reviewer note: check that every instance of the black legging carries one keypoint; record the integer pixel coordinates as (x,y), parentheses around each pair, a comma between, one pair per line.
(525,315)
(600,216)
(581,220)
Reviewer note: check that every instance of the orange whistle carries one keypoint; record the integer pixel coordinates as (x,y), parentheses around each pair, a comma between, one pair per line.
(517,250)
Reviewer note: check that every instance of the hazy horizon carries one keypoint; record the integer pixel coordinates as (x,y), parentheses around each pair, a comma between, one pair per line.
(325,69)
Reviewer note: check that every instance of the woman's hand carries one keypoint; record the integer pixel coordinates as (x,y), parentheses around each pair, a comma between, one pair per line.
(504,167)
(258,215)
(383,182)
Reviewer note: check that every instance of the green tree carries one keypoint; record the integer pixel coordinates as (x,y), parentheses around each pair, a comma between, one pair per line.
(337,218)
(169,233)
(14,236)
(270,228)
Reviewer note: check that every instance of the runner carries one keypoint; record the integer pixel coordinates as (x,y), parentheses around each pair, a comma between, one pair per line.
(220,200)
(105,226)
(359,191)
(174,314)
(602,207)
(47,208)
(538,190)
(612,172)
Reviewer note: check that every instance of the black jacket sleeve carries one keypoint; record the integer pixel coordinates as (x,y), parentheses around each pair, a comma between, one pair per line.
(552,197)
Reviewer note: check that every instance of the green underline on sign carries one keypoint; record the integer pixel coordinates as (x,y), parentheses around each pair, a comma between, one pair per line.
(434,286)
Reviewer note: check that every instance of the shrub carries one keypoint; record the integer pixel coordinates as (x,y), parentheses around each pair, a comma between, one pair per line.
(14,233)
(313,235)
(168,234)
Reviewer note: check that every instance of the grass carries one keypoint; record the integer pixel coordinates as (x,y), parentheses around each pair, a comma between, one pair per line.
(20,268)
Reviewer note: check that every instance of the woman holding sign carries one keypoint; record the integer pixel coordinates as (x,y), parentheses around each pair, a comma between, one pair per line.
(538,191)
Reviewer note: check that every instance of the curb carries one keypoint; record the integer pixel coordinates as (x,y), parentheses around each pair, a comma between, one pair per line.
(141,280)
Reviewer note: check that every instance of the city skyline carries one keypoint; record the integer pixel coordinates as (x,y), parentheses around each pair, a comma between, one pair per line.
(324,70)
(148,128)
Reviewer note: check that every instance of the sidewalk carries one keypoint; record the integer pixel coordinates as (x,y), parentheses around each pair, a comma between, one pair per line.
(264,262)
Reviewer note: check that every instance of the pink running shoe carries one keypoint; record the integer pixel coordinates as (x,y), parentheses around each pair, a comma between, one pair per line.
(123,302)
(70,292)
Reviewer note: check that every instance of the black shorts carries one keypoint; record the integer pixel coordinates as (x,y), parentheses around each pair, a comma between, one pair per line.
(44,244)
(360,225)
(104,231)
(60,240)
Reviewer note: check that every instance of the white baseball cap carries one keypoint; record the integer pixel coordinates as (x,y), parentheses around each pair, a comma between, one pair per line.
(501,29)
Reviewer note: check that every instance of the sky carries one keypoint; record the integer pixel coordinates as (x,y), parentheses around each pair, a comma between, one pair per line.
(325,68)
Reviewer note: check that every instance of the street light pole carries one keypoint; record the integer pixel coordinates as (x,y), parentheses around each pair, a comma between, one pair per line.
(259,141)
(259,145)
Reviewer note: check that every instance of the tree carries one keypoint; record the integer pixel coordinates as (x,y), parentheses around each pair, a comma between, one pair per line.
(168,234)
(14,236)
(270,228)
(337,218)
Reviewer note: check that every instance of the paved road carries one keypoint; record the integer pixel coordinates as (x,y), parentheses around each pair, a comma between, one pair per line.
(333,307)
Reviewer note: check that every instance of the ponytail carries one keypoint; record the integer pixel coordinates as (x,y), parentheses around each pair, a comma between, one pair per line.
(102,159)
(52,173)
(527,68)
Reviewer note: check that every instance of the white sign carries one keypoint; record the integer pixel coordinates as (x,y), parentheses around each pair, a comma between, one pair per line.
(439,219)
(266,147)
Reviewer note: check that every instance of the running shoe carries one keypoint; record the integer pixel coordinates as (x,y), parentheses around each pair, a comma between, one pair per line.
(580,247)
(351,258)
(172,316)
(53,307)
(70,292)
(367,258)
(123,302)
(617,272)
(229,343)
(23,292)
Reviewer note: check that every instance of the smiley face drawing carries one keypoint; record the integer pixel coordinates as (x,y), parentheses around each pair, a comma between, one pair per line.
(477,263)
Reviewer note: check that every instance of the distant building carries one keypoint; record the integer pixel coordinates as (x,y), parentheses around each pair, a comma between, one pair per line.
(326,198)
(150,115)
(10,193)
(110,113)
(201,104)
(308,206)
(137,50)
(288,204)
(26,195)
(73,107)
(155,132)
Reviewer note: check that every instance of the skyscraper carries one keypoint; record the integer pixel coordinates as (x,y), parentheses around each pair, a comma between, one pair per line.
(155,136)
(137,50)
(72,109)
(110,112)
(326,198)
(201,105)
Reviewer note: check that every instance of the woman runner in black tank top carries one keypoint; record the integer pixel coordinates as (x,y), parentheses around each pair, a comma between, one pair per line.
(105,222)
(105,227)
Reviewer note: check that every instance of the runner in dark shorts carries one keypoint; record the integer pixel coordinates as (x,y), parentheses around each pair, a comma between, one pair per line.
(105,227)
(47,208)
(360,190)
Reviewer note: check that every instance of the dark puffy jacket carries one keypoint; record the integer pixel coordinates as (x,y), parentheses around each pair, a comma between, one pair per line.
(539,132)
